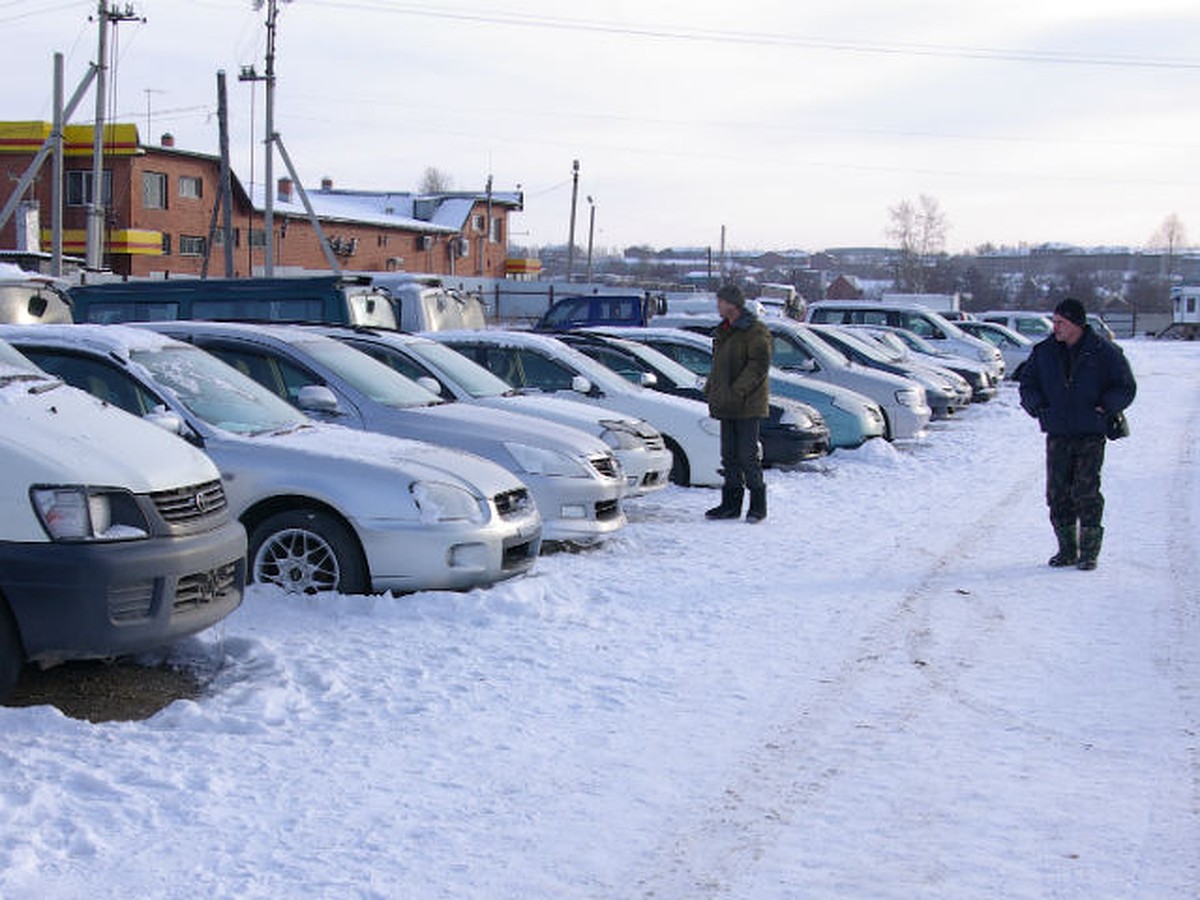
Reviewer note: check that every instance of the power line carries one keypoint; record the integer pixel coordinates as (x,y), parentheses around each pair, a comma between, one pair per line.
(678,33)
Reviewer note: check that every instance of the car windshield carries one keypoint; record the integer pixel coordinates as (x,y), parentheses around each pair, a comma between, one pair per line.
(670,369)
(15,367)
(871,349)
(380,382)
(469,376)
(217,393)
(824,352)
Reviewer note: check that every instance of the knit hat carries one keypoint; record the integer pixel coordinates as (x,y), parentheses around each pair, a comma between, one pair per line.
(732,294)
(1072,310)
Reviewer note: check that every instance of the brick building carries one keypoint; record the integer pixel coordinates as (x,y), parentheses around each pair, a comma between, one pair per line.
(160,214)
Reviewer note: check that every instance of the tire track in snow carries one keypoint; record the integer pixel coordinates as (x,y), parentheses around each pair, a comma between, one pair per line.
(791,770)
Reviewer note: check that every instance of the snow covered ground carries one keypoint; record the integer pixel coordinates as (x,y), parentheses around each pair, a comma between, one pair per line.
(882,691)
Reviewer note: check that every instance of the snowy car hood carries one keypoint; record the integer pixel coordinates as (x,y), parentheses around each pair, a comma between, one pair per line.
(64,435)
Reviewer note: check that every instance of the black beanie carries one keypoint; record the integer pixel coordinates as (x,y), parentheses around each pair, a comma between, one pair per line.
(1072,310)
(731,293)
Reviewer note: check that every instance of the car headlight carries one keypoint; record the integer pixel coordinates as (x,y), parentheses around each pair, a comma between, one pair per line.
(79,513)
(438,501)
(543,461)
(797,418)
(620,436)
(913,397)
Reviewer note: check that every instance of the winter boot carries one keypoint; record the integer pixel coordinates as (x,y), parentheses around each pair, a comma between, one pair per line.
(758,505)
(1090,537)
(1068,546)
(731,504)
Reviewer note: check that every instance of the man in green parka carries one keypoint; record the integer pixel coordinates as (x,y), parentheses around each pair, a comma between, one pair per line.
(737,392)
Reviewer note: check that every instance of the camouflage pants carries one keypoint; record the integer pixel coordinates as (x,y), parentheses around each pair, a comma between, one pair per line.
(1073,479)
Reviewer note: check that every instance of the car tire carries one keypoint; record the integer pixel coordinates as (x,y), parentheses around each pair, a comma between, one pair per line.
(306,551)
(12,654)
(681,471)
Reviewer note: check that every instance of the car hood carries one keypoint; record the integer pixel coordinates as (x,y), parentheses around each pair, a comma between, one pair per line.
(567,412)
(480,429)
(317,452)
(63,435)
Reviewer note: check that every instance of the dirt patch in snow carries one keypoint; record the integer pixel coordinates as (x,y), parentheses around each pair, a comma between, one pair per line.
(117,691)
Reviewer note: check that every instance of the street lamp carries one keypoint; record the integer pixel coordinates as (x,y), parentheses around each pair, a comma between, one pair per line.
(591,233)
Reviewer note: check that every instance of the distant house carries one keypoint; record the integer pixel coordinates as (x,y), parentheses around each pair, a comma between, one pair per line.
(160,214)
(844,287)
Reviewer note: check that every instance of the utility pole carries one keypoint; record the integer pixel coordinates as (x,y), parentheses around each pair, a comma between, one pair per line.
(95,221)
(591,232)
(269,168)
(571,237)
(248,73)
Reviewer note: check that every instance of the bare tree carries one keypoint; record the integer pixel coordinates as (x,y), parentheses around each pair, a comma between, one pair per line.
(1169,238)
(435,181)
(920,235)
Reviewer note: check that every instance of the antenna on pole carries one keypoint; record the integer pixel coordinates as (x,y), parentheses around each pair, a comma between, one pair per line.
(248,74)
(95,220)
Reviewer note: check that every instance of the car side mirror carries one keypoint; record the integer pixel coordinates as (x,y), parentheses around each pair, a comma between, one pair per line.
(317,398)
(430,384)
(166,419)
(581,385)
(647,379)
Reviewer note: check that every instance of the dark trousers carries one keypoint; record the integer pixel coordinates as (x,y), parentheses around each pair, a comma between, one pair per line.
(740,460)
(1073,480)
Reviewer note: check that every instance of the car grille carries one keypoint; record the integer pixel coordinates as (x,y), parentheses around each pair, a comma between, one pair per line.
(654,441)
(607,509)
(188,504)
(203,588)
(606,465)
(130,602)
(513,503)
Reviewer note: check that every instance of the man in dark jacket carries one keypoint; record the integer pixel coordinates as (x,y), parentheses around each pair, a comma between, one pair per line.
(1073,383)
(737,392)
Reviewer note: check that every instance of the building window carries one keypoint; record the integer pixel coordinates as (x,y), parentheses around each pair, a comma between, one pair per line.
(191,186)
(497,231)
(219,237)
(79,188)
(258,237)
(478,224)
(191,245)
(154,191)
(166,244)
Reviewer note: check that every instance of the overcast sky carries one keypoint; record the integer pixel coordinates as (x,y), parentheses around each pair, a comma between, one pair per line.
(791,124)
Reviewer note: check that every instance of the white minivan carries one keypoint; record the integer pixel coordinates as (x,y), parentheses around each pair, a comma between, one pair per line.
(927,323)
(115,536)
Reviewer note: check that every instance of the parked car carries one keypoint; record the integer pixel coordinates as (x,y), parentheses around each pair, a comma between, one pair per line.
(795,348)
(309,298)
(29,298)
(792,432)
(115,537)
(945,391)
(325,507)
(601,309)
(574,477)
(540,362)
(1033,325)
(1101,327)
(1014,347)
(903,344)
(932,326)
(638,445)
(852,419)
